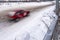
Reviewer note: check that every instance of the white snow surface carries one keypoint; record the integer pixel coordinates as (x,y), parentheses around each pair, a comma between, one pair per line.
(33,27)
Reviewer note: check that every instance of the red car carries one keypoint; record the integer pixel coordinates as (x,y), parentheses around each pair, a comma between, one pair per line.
(17,15)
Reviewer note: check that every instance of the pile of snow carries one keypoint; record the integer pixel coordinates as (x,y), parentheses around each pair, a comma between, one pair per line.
(11,13)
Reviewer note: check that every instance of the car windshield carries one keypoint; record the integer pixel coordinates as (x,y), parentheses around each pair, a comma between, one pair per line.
(20,12)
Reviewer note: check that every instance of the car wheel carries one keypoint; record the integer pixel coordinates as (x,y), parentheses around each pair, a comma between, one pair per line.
(17,20)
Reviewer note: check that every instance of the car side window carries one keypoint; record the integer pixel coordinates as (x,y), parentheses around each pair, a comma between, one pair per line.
(19,12)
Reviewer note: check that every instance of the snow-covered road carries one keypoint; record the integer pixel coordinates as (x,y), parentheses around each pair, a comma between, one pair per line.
(29,28)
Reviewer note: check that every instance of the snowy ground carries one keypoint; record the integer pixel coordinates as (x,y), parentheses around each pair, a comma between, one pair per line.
(33,27)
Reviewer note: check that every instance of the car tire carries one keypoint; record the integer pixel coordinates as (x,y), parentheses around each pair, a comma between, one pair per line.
(17,20)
